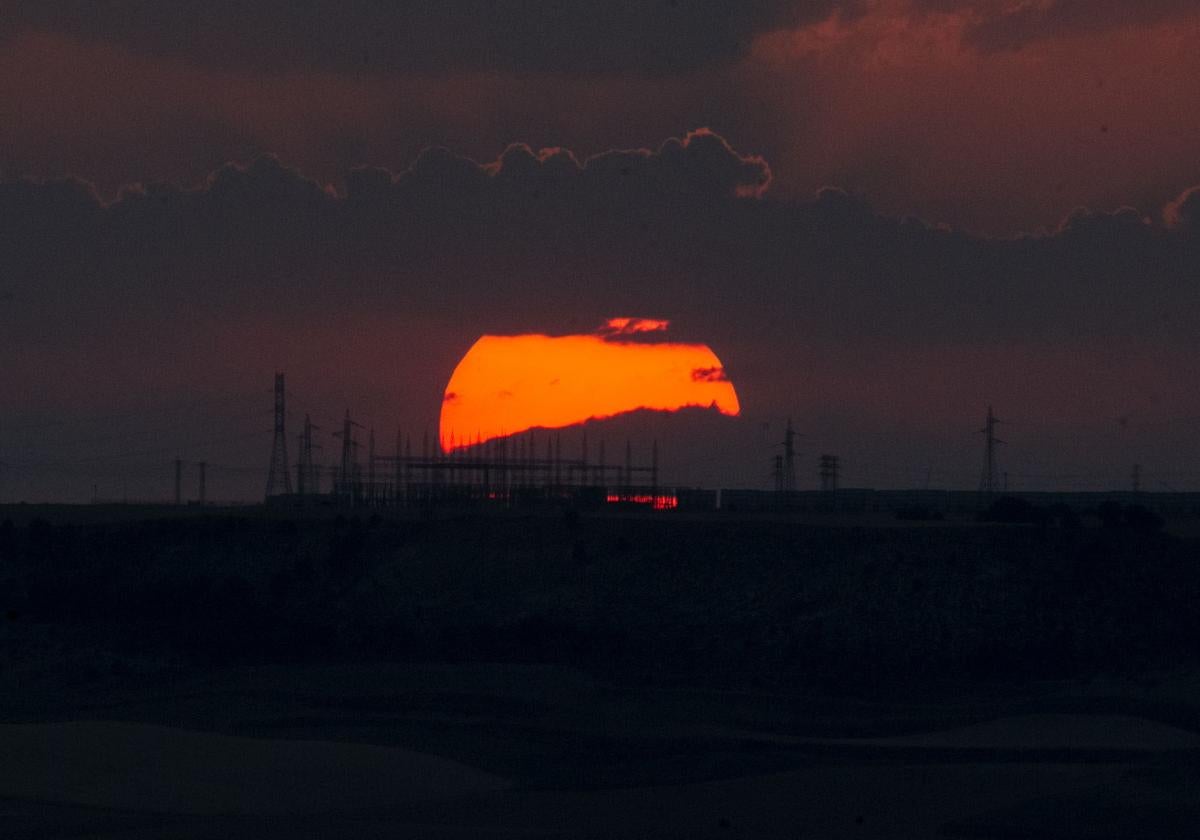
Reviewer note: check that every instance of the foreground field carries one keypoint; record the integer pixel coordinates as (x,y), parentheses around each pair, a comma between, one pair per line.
(537,751)
(561,676)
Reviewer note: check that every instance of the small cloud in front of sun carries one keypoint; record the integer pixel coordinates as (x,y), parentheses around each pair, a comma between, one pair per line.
(709,374)
(618,327)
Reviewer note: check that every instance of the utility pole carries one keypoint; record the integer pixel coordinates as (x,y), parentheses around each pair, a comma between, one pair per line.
(783,467)
(306,473)
(828,471)
(371,466)
(557,462)
(602,469)
(628,469)
(1137,478)
(987,482)
(407,468)
(789,458)
(349,467)
(397,471)
(178,481)
(279,478)
(203,491)
(654,473)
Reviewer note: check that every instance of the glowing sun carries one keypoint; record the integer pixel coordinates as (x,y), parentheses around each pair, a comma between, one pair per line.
(506,384)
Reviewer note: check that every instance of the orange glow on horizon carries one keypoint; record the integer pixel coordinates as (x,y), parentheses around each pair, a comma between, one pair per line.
(508,384)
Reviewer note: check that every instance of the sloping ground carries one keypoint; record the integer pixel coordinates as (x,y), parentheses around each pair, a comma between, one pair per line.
(125,781)
(1057,732)
(1161,802)
(632,678)
(1044,733)
(587,760)
(159,769)
(843,801)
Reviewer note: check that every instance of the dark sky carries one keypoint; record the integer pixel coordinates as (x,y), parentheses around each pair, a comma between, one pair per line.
(882,215)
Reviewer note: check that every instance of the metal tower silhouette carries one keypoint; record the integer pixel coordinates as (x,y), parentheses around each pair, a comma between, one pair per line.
(307,478)
(654,472)
(600,466)
(279,480)
(829,468)
(371,466)
(784,466)
(628,491)
(347,436)
(587,478)
(398,470)
(987,482)
(348,481)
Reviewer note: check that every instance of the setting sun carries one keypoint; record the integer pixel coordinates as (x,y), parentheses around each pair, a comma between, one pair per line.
(507,384)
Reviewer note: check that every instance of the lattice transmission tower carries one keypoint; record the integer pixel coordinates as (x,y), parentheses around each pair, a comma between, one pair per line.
(279,479)
(828,469)
(308,476)
(988,480)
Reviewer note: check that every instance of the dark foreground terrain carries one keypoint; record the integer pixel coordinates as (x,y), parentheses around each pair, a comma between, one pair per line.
(245,674)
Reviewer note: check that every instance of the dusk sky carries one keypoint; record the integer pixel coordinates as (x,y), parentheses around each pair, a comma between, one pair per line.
(881,215)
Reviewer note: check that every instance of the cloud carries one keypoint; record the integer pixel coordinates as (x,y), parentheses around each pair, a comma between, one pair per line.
(615,327)
(906,103)
(544,237)
(374,291)
(709,374)
(1014,26)
(423,36)
(700,165)
(895,104)
(1184,211)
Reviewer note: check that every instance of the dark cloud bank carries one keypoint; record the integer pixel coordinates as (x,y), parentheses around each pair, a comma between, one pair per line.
(821,307)
(686,230)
